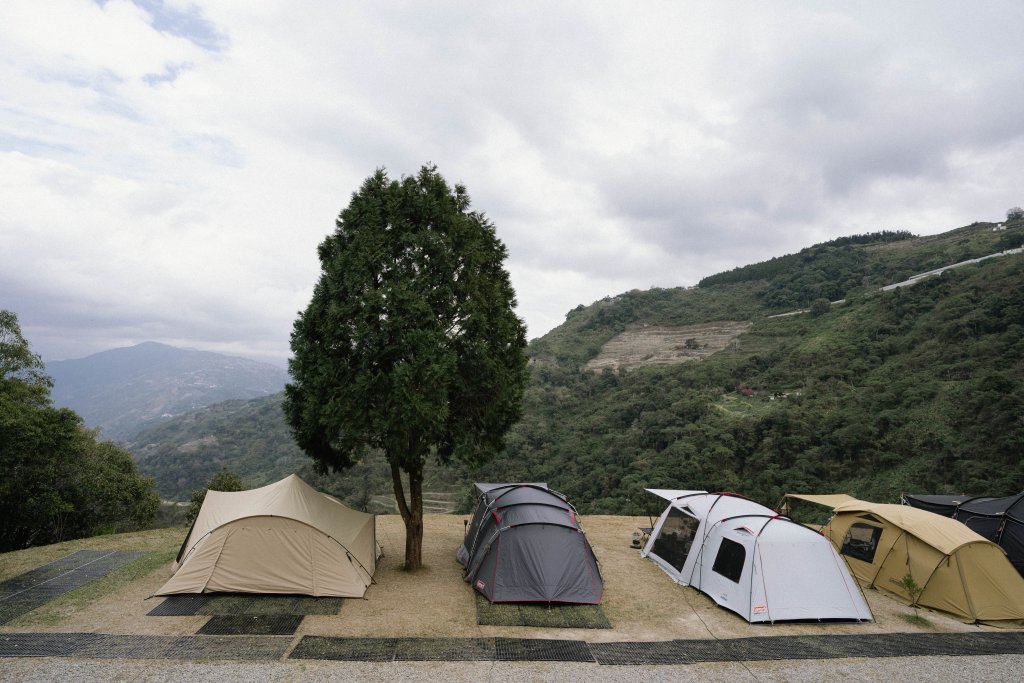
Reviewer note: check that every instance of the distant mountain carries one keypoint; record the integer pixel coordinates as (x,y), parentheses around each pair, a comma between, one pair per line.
(125,390)
(252,439)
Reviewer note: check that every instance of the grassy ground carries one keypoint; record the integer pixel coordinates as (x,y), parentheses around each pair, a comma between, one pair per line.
(639,600)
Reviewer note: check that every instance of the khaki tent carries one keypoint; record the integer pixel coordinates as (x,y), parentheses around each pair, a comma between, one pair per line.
(283,538)
(959,571)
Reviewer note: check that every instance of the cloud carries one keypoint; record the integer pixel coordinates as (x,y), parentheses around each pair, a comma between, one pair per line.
(170,166)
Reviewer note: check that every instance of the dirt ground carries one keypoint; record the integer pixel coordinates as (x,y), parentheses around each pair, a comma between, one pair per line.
(640,601)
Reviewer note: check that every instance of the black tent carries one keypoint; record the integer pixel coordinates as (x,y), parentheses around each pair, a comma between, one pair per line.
(525,544)
(1000,520)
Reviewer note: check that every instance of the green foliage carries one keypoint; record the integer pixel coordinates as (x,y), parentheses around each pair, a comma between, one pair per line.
(410,345)
(913,390)
(58,480)
(836,250)
(21,371)
(224,480)
(820,307)
(251,437)
(912,588)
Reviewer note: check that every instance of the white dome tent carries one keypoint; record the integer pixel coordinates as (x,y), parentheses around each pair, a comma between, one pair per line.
(751,560)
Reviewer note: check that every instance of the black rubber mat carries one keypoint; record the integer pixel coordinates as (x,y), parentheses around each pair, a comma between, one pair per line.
(658,652)
(228,647)
(28,591)
(252,624)
(270,647)
(444,649)
(191,604)
(540,616)
(345,649)
(48,571)
(541,650)
(106,646)
(763,648)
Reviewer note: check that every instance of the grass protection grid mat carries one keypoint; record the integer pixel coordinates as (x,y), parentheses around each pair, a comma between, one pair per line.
(251,624)
(105,646)
(444,649)
(539,615)
(26,592)
(345,649)
(440,649)
(626,653)
(763,648)
(191,604)
(541,650)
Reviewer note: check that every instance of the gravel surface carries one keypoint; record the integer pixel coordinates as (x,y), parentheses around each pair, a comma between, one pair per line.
(905,669)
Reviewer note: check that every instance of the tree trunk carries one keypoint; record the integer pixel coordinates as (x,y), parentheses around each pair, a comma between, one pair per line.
(412,515)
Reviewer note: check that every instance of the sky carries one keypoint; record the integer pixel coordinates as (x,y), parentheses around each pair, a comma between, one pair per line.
(168,167)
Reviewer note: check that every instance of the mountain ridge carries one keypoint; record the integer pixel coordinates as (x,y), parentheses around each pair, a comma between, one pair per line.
(123,390)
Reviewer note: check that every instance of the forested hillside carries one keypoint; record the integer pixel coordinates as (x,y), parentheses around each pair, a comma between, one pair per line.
(58,481)
(915,389)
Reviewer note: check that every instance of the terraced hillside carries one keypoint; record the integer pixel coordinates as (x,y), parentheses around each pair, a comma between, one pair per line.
(658,345)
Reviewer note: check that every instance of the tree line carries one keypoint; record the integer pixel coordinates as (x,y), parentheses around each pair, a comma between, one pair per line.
(59,480)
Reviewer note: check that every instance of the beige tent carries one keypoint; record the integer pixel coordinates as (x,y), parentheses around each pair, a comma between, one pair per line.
(959,571)
(283,538)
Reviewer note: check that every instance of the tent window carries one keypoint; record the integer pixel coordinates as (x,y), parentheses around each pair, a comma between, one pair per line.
(861,541)
(730,559)
(674,539)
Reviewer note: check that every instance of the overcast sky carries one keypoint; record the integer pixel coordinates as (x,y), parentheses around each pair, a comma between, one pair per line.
(168,167)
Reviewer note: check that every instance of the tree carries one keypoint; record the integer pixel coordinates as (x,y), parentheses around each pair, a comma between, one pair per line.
(59,481)
(410,344)
(21,371)
(1015,214)
(820,307)
(223,480)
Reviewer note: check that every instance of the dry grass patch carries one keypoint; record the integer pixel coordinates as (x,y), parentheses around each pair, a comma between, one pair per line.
(155,540)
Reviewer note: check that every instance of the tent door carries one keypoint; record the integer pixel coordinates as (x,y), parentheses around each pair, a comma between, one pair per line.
(675,538)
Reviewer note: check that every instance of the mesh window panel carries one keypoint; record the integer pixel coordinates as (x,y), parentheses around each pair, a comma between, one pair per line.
(729,560)
(675,538)
(861,541)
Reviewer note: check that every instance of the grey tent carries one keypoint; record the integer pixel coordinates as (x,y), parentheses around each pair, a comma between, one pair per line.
(1000,520)
(525,544)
